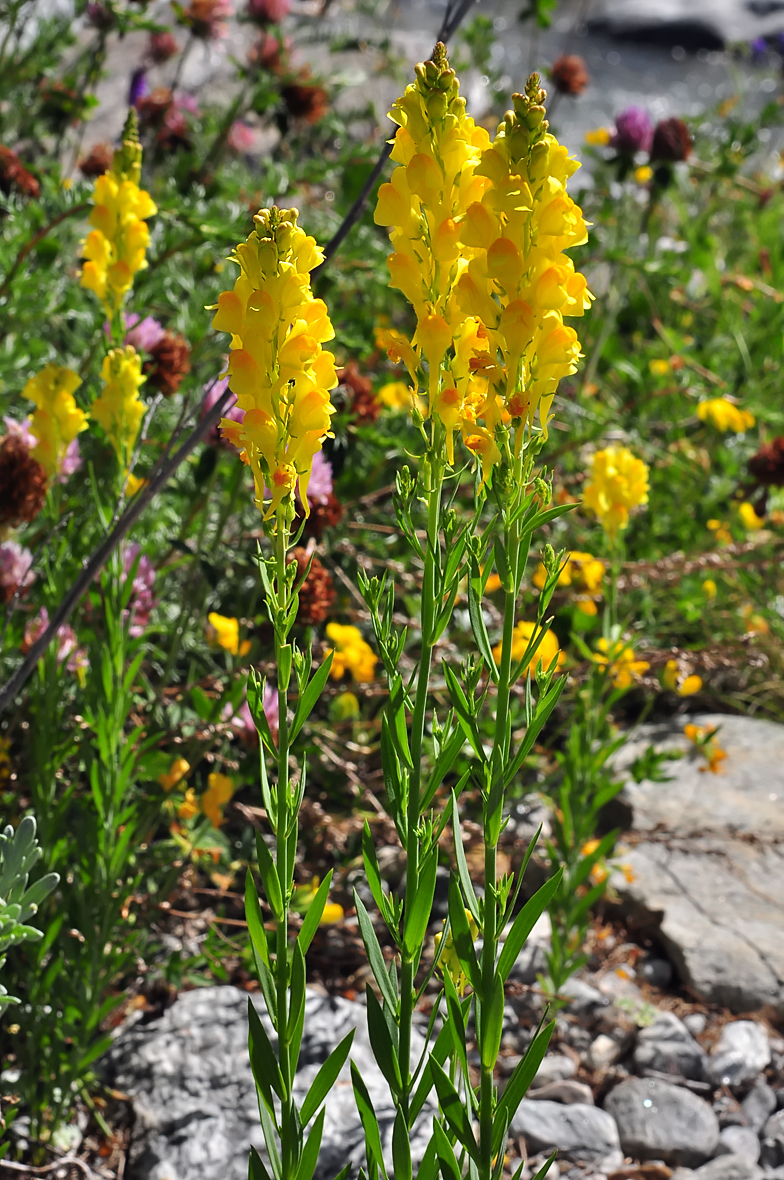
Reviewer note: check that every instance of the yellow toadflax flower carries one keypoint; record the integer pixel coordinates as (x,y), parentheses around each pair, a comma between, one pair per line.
(225,632)
(548,650)
(617,659)
(118,408)
(177,772)
(115,248)
(351,654)
(220,789)
(277,367)
(619,481)
(725,415)
(57,419)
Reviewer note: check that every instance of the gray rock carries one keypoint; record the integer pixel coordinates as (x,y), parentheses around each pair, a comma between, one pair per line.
(584,997)
(759,1104)
(728,1167)
(741,1053)
(740,1141)
(554,1068)
(193,1095)
(530,963)
(701,24)
(772,1153)
(657,972)
(696,1023)
(714,898)
(667,1046)
(659,1121)
(579,1132)
(567,1091)
(604,1051)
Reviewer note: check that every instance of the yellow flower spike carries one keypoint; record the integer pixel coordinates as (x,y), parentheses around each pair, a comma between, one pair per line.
(57,419)
(724,415)
(115,249)
(177,772)
(351,654)
(118,408)
(220,789)
(619,482)
(277,368)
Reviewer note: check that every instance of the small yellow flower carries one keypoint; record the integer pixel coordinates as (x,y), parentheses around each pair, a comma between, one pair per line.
(189,806)
(721,531)
(351,654)
(690,685)
(133,484)
(333,912)
(225,632)
(659,367)
(749,519)
(725,415)
(703,738)
(755,623)
(220,789)
(619,482)
(709,588)
(177,772)
(449,961)
(599,137)
(548,650)
(673,679)
(617,660)
(643,174)
(395,395)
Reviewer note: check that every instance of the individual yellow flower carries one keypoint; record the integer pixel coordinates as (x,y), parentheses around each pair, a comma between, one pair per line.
(616,658)
(548,650)
(220,789)
(749,519)
(189,806)
(703,737)
(225,632)
(277,367)
(118,408)
(643,174)
(721,531)
(755,623)
(133,484)
(585,573)
(725,415)
(709,588)
(332,913)
(599,137)
(449,961)
(673,679)
(351,654)
(115,248)
(57,419)
(659,367)
(395,395)
(176,773)
(619,482)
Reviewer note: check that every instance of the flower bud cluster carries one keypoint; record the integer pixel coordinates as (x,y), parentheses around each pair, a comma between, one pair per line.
(115,248)
(57,419)
(118,408)
(277,367)
(479,231)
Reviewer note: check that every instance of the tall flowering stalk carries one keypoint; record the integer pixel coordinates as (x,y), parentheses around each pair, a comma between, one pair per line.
(282,378)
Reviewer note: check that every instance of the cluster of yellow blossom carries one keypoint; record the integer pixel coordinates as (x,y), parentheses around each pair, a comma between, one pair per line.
(616,658)
(703,737)
(351,654)
(224,631)
(619,482)
(57,419)
(115,248)
(479,231)
(449,962)
(582,571)
(725,415)
(721,531)
(220,789)
(676,680)
(277,367)
(118,408)
(548,650)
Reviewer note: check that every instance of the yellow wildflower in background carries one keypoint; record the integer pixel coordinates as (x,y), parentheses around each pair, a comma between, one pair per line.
(351,654)
(675,680)
(332,913)
(659,367)
(599,137)
(619,482)
(177,772)
(585,573)
(225,632)
(189,806)
(395,395)
(617,659)
(755,623)
(709,589)
(749,519)
(703,737)
(548,650)
(643,174)
(721,531)
(115,249)
(220,789)
(277,367)
(57,419)
(725,415)
(118,408)
(449,961)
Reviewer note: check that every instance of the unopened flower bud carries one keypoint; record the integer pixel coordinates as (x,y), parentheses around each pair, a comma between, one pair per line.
(549,560)
(543,489)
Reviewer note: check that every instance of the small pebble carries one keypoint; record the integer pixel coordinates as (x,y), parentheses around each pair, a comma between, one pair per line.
(696,1023)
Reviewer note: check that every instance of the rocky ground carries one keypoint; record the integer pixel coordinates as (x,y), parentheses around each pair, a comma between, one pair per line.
(669,1061)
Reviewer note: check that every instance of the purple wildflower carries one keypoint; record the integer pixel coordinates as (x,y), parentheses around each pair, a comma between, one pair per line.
(143,334)
(21,430)
(633,132)
(15,571)
(142,601)
(138,86)
(320,485)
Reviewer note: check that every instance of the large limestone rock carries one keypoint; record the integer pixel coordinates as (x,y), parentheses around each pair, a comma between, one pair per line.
(707,854)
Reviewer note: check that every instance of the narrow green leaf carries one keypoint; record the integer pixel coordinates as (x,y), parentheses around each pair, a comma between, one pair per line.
(401,1149)
(454,1111)
(313,916)
(307,701)
(310,1152)
(396,710)
(367,1115)
(417,921)
(479,628)
(375,957)
(493,1024)
(256,1169)
(524,923)
(465,717)
(517,1086)
(296,1019)
(263,1061)
(325,1079)
(450,1169)
(456,1022)
(373,874)
(258,935)
(444,762)
(428,1168)
(461,934)
(462,864)
(269,877)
